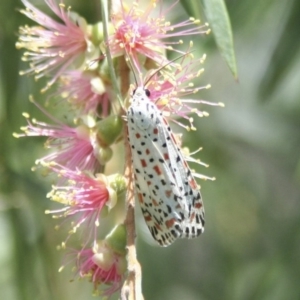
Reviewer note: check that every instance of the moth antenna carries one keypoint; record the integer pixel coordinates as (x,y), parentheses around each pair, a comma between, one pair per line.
(132,67)
(171,61)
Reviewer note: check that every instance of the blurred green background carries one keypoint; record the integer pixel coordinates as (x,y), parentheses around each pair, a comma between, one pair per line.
(251,245)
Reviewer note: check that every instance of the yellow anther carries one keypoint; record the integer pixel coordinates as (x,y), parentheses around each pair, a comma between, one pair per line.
(26,115)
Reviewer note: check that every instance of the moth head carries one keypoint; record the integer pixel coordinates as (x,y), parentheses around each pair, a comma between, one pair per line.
(139,92)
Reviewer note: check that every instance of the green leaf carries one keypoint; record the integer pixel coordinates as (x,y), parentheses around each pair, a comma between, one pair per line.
(217,16)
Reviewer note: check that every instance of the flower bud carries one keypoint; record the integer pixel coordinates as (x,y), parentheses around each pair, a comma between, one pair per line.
(108,130)
(116,239)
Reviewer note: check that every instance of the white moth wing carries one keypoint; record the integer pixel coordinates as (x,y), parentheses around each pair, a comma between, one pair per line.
(191,204)
(155,187)
(168,194)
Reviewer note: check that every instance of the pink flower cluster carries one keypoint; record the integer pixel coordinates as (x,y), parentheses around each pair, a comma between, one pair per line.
(68,52)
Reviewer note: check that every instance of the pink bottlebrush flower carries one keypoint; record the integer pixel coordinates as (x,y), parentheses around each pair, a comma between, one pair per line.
(172,87)
(138,32)
(104,266)
(84,196)
(75,148)
(86,91)
(52,46)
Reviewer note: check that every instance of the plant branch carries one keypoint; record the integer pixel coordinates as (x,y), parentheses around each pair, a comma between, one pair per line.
(132,288)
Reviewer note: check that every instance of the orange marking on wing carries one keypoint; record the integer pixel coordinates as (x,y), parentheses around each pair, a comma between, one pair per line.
(155,131)
(141,198)
(157,226)
(198,205)
(148,218)
(147,151)
(155,203)
(149,182)
(137,135)
(166,156)
(168,193)
(144,164)
(192,217)
(193,184)
(170,223)
(173,138)
(157,170)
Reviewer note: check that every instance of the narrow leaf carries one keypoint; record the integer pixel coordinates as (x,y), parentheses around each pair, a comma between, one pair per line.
(217,16)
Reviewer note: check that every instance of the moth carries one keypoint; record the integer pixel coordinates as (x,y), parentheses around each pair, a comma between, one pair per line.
(167,192)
